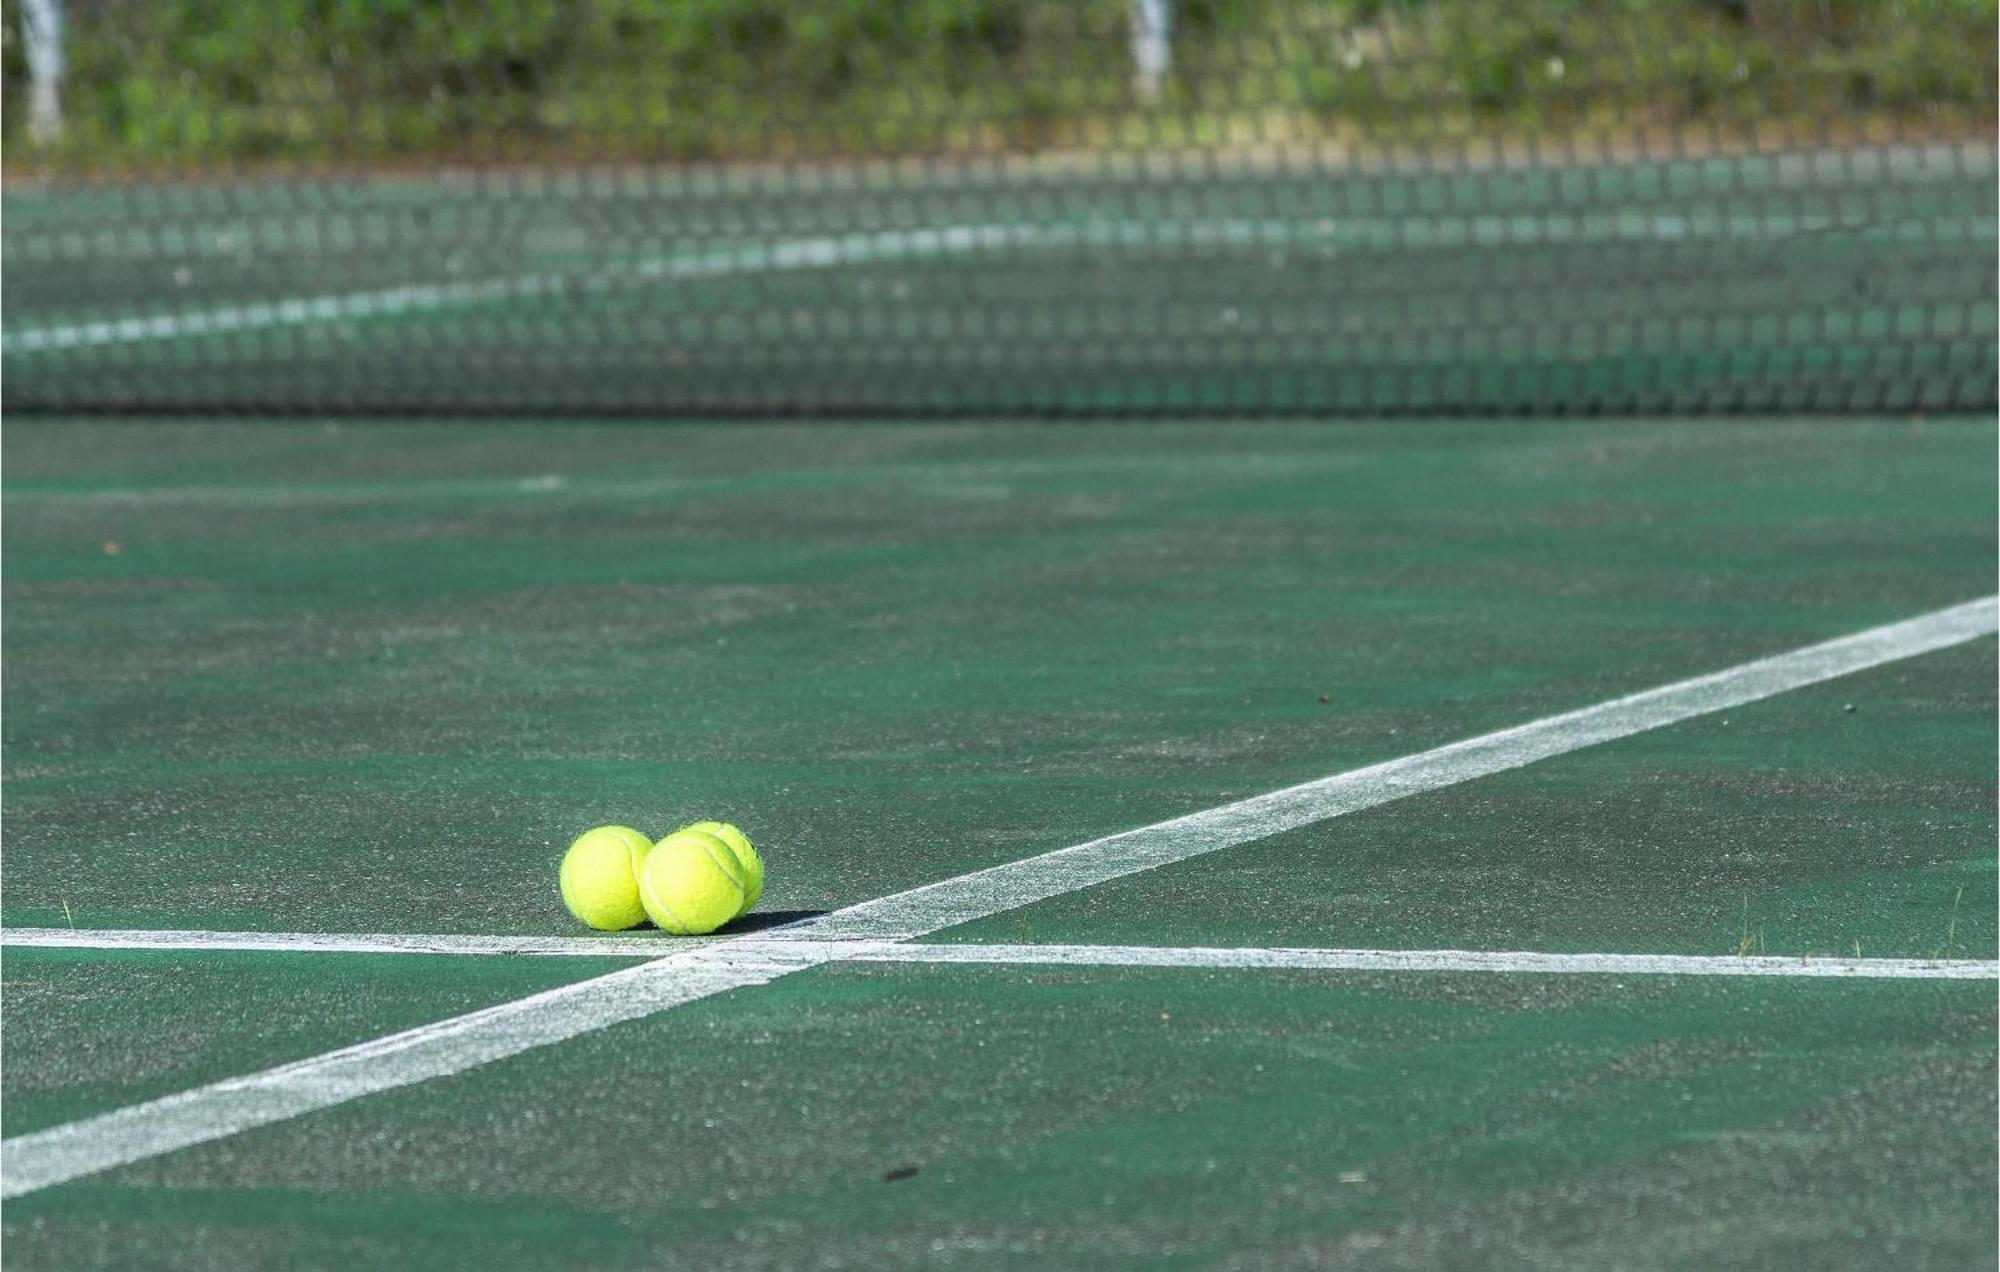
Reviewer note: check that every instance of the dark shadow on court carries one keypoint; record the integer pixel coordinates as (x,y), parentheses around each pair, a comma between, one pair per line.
(764,919)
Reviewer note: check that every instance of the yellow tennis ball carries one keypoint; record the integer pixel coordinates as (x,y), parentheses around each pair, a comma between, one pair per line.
(600,877)
(746,856)
(691,883)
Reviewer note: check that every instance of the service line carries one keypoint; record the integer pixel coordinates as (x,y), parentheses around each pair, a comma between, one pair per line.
(779,948)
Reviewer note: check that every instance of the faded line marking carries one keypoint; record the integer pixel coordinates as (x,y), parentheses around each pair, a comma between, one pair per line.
(84,1147)
(1330,234)
(812,253)
(864,951)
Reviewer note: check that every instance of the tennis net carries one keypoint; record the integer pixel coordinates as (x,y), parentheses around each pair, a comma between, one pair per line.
(1000,206)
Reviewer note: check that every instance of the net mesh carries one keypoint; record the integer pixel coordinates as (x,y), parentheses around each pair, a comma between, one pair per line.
(1000,206)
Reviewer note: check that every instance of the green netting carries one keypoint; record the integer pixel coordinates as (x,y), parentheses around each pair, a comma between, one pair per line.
(982,206)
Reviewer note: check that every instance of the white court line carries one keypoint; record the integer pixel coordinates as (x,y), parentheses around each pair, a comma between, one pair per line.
(810,253)
(1511,961)
(829,251)
(608,945)
(42,1158)
(1017,883)
(1517,961)
(824,252)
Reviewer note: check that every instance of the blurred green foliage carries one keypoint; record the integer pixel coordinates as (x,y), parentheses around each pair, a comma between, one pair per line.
(176,81)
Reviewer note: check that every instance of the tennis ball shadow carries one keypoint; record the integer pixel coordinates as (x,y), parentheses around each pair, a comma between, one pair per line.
(758,920)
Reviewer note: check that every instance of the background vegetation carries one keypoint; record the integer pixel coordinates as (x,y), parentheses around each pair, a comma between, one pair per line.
(156,82)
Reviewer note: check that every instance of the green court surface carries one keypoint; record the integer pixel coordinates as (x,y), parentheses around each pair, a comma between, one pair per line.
(368,677)
(87,1025)
(1135,1120)
(1792,823)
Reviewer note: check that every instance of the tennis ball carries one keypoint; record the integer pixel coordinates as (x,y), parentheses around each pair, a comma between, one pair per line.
(692,883)
(746,856)
(600,877)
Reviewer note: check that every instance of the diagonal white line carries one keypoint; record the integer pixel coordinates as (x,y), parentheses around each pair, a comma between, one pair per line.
(820,252)
(792,254)
(38,1160)
(1017,883)
(916,243)
(223,1108)
(776,949)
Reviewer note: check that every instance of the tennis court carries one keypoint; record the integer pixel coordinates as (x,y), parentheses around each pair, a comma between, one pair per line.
(1469,741)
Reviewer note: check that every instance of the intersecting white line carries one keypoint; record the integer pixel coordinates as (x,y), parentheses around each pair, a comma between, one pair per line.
(1188,956)
(43,1158)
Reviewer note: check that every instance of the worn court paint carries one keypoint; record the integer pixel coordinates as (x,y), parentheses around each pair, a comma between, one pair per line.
(1018,883)
(1216,957)
(222,1108)
(35,1161)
